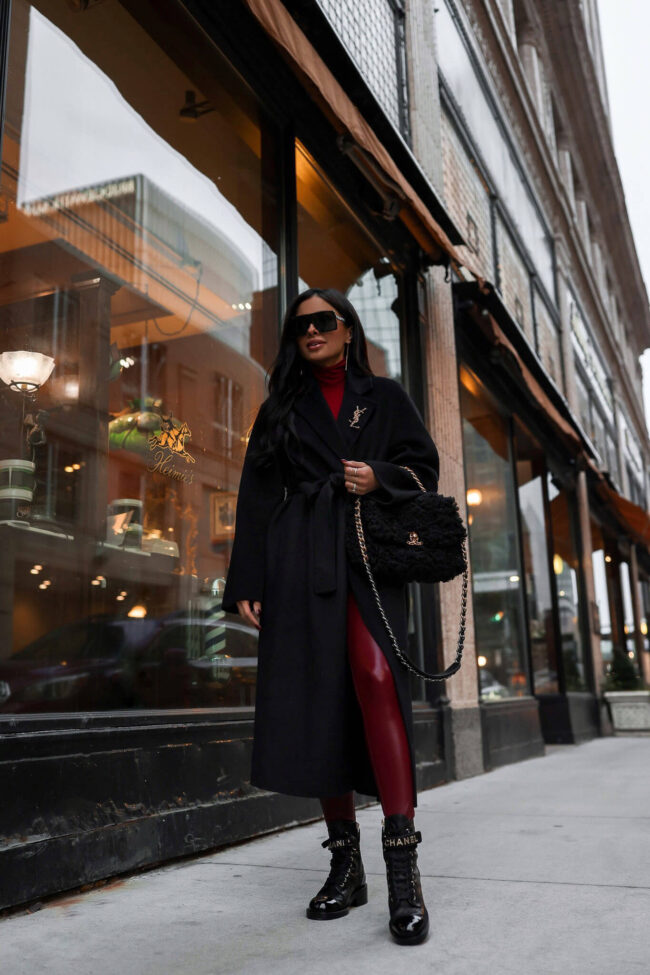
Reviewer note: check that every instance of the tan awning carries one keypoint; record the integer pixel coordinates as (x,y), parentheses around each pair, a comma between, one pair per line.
(634,520)
(349,122)
(497,337)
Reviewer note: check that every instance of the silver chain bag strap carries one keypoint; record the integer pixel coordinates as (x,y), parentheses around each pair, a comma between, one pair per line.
(401,656)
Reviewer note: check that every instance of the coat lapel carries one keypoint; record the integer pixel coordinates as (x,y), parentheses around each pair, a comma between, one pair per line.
(356,409)
(312,406)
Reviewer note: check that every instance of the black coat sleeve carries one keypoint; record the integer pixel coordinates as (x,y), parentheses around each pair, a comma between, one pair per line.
(409,444)
(261,489)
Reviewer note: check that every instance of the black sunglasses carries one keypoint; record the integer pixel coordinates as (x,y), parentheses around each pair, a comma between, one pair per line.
(323,321)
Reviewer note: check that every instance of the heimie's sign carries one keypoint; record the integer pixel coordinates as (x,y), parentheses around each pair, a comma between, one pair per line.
(167,446)
(75,198)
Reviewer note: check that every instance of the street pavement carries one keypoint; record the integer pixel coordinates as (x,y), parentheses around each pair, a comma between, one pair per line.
(539,867)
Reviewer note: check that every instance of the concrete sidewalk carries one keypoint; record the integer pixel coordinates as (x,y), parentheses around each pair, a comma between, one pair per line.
(540,867)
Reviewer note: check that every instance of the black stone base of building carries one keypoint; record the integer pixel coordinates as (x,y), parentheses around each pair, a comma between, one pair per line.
(569,718)
(511,731)
(463,741)
(93,796)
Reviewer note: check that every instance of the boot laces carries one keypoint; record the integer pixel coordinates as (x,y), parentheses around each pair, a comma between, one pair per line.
(341,863)
(342,860)
(402,874)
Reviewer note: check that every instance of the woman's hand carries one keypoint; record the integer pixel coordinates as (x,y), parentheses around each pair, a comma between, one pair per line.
(359,477)
(250,612)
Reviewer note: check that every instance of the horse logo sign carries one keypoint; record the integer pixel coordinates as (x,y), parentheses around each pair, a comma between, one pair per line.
(172,439)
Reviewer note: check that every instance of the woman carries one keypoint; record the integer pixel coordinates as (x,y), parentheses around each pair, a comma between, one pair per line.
(333,711)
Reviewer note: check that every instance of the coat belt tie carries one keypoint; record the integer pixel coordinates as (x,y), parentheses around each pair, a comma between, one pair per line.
(322,494)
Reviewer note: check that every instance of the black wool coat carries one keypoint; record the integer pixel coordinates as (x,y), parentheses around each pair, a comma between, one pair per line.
(289,554)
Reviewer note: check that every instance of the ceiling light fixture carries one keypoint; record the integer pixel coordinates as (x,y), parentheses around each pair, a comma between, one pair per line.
(192,109)
(25,371)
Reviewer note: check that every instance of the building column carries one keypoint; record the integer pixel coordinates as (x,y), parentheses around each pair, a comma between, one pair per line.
(582,492)
(463,741)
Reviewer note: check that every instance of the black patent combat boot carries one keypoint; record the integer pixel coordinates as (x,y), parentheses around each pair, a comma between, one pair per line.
(409,920)
(346,885)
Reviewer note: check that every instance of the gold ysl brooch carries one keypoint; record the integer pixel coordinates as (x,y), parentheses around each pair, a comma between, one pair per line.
(358,411)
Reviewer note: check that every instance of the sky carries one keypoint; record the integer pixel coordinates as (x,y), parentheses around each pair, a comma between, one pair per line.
(625,28)
(105,139)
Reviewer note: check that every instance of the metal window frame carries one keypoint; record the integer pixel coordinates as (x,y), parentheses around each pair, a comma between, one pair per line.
(468,355)
(399,19)
(5,20)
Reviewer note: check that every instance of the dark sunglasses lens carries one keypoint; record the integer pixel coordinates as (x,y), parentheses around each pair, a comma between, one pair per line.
(323,321)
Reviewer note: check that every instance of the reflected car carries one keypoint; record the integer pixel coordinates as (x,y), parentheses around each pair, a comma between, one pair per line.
(197,663)
(490,687)
(545,681)
(84,666)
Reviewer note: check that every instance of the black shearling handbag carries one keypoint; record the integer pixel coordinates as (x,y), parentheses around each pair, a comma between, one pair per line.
(420,540)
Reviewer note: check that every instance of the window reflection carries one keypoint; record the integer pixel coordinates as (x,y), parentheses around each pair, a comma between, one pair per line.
(335,251)
(603,600)
(628,611)
(565,571)
(492,522)
(140,253)
(531,475)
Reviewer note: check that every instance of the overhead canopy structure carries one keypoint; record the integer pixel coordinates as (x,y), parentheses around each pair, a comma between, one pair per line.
(356,137)
(484,307)
(632,518)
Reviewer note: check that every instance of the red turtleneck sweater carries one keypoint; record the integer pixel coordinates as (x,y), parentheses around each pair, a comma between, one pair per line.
(331,380)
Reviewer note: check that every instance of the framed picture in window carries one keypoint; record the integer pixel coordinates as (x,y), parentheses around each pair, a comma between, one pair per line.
(223,505)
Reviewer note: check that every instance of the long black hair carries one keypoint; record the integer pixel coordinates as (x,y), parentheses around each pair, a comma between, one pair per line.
(289,375)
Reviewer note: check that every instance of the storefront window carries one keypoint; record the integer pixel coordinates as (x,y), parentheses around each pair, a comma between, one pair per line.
(549,346)
(612,458)
(628,611)
(584,407)
(492,521)
(565,572)
(603,602)
(335,251)
(531,477)
(645,614)
(139,313)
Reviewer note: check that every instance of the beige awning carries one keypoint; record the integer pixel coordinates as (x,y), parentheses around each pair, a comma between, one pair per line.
(497,338)
(348,121)
(634,519)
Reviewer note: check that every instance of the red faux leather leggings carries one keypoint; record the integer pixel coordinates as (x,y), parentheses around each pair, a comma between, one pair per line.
(383,723)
